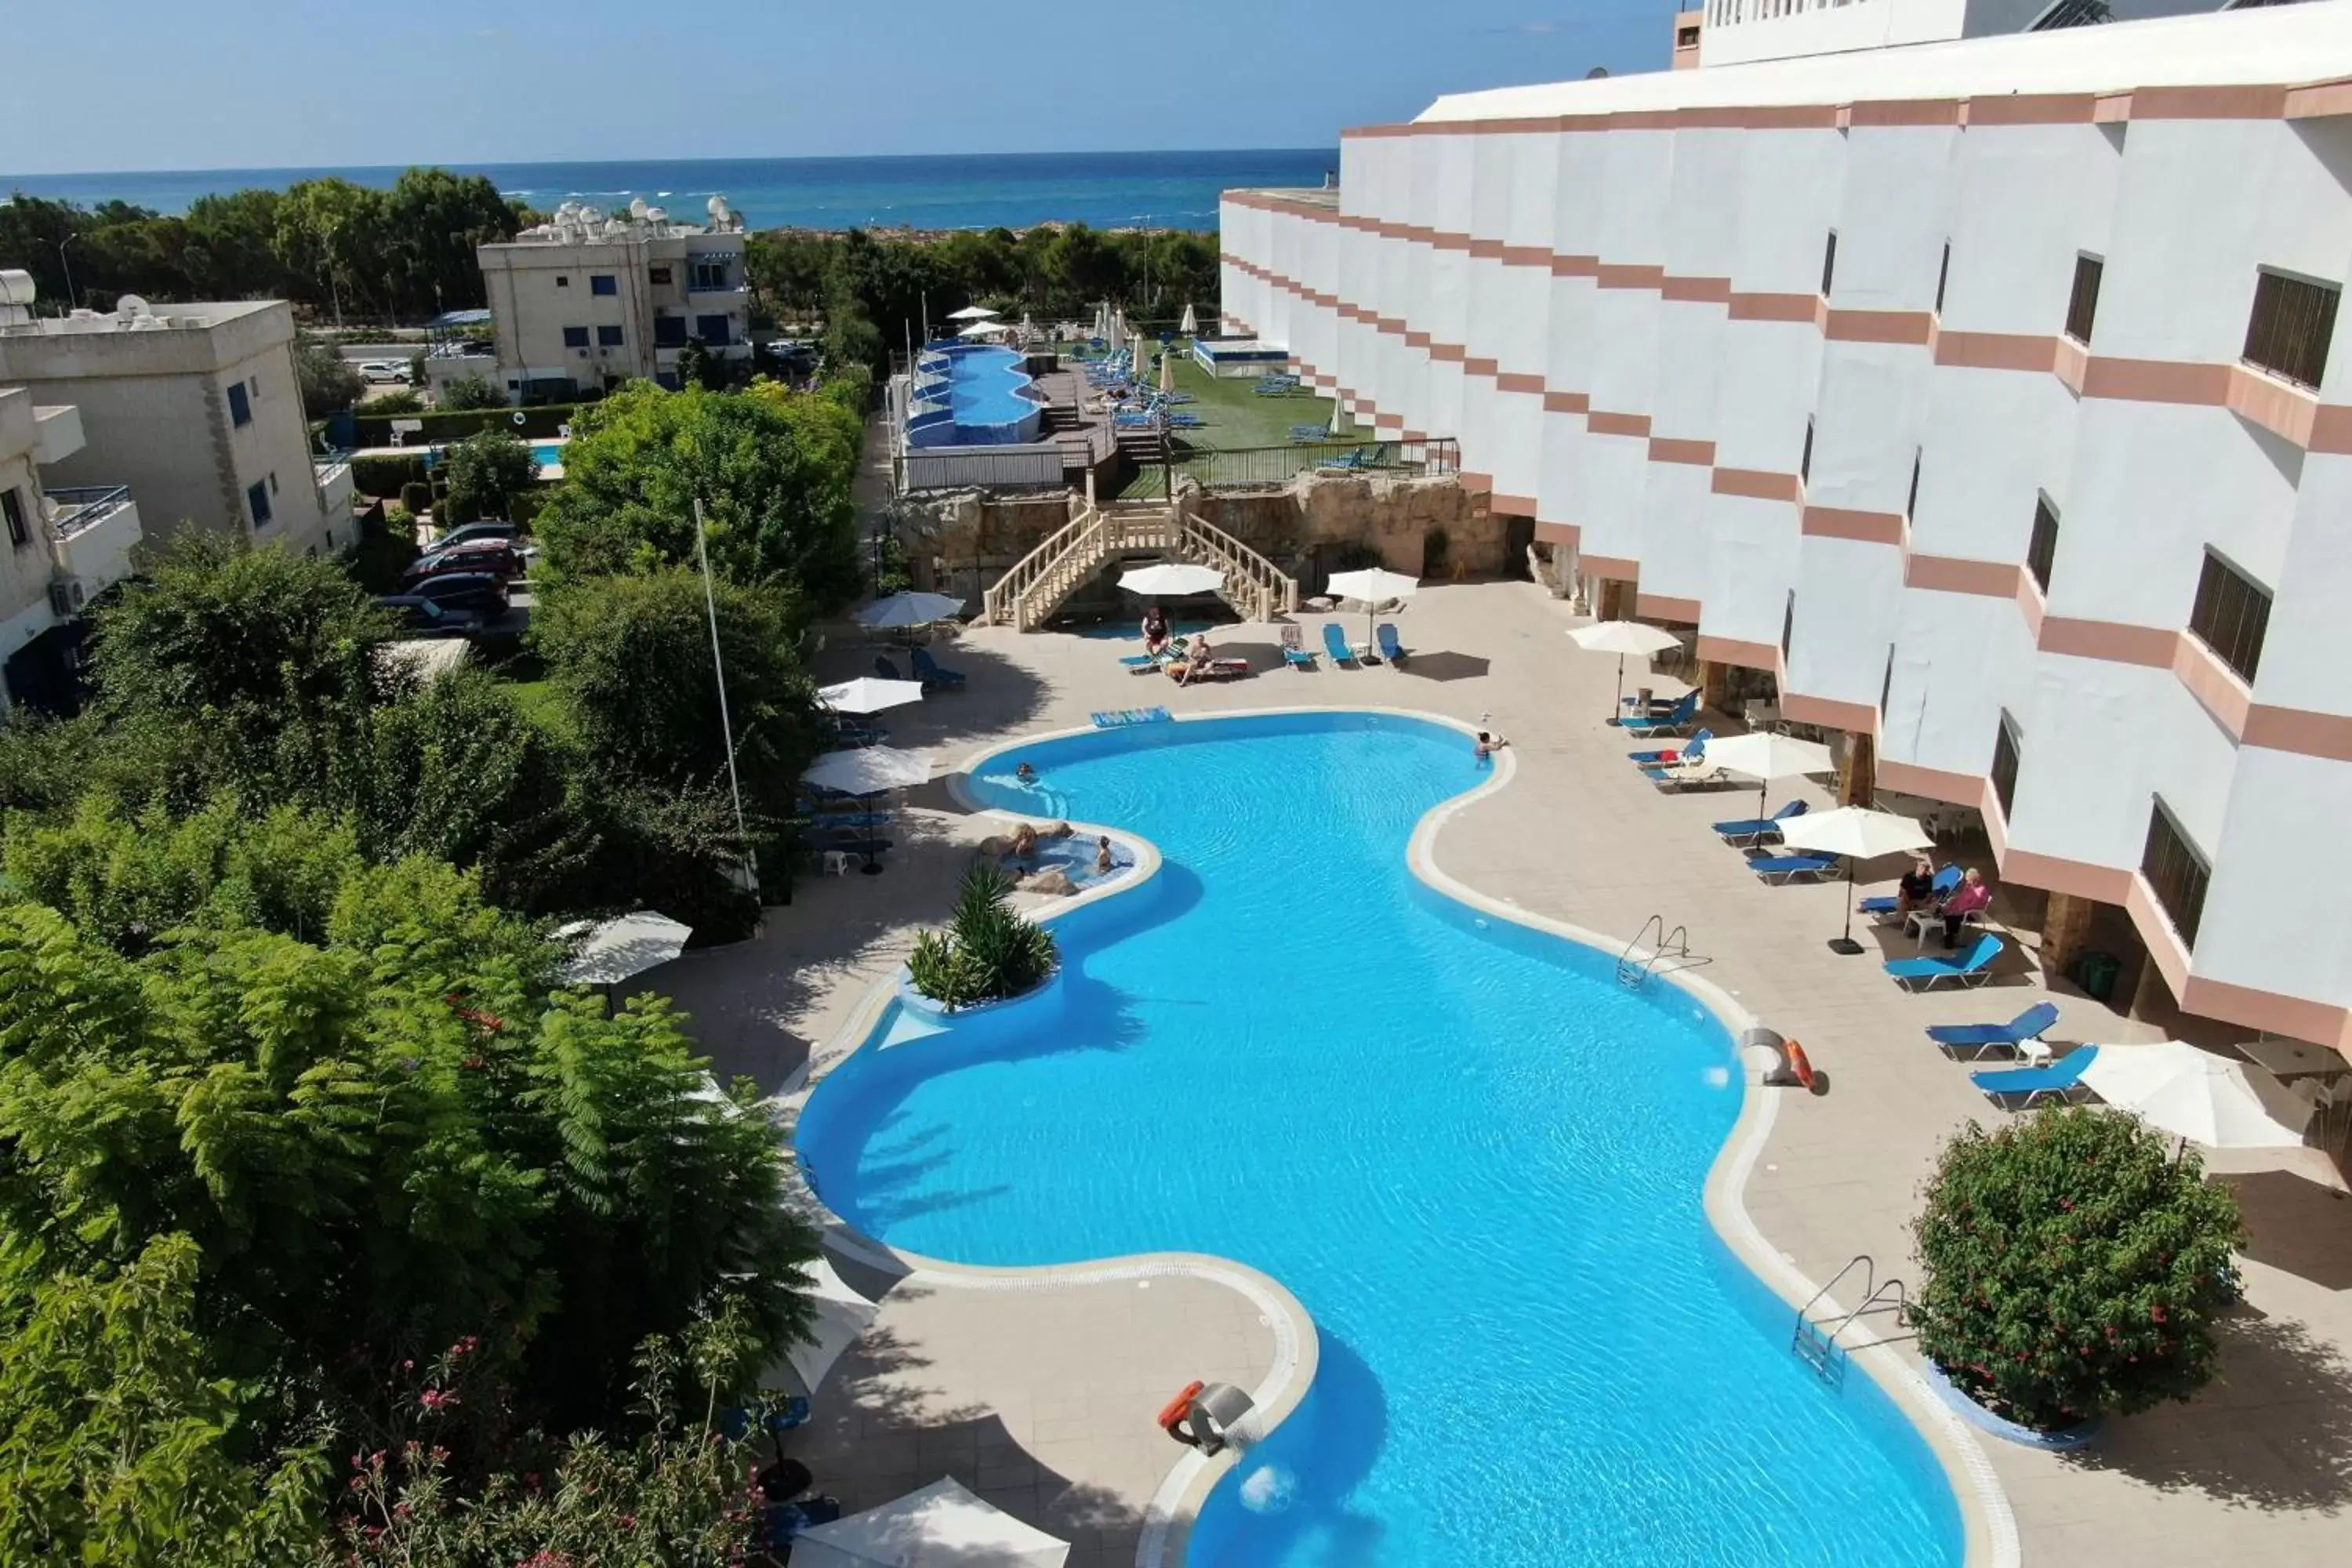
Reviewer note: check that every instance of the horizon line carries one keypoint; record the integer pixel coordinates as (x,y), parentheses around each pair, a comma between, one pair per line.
(729,158)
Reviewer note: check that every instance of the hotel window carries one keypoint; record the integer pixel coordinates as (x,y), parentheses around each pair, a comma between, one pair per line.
(656,274)
(712,330)
(670,332)
(575,337)
(1911,502)
(2004,764)
(1805,459)
(240,407)
(12,505)
(1943,275)
(2177,874)
(1829,264)
(610,337)
(257,496)
(602,283)
(2232,613)
(2293,322)
(2082,305)
(707,275)
(2041,549)
(562,281)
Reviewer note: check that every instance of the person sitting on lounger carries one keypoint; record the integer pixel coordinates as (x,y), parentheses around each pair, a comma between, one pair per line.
(1195,662)
(1102,855)
(1917,886)
(1155,631)
(1970,897)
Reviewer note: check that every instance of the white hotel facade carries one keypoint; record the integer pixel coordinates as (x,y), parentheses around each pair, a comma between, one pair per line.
(1985,393)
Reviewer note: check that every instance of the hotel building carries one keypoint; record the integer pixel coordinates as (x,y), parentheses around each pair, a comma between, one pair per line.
(1984,396)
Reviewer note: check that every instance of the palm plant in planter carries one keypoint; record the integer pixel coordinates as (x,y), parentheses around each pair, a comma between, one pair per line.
(987,953)
(2071,1268)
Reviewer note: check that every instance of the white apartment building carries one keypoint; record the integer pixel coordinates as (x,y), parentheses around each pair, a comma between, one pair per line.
(195,407)
(59,546)
(1737,32)
(1989,396)
(589,301)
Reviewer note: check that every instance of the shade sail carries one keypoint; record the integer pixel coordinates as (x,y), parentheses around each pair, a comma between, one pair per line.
(870,694)
(1173,579)
(612,951)
(941,1526)
(909,609)
(868,770)
(2197,1095)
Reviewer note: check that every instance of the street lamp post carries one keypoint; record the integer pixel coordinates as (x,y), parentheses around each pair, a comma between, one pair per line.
(72,299)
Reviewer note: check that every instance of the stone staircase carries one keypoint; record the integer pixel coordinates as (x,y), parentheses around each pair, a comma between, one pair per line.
(1026,596)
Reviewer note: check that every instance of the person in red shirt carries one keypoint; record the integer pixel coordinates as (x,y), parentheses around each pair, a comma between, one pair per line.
(1971,896)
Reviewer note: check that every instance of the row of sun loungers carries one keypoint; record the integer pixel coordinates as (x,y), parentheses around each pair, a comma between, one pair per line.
(935,676)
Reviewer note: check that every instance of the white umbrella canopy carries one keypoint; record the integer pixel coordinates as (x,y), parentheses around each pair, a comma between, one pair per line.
(983,328)
(973,313)
(870,694)
(837,1316)
(1623,637)
(1171,580)
(1764,756)
(1856,832)
(1371,588)
(909,609)
(612,951)
(1191,325)
(1167,370)
(941,1526)
(2194,1094)
(867,770)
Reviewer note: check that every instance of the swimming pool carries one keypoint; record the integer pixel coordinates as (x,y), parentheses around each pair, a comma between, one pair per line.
(1475,1158)
(972,395)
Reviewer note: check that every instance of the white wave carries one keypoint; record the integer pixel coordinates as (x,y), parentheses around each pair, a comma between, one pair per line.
(1269,1490)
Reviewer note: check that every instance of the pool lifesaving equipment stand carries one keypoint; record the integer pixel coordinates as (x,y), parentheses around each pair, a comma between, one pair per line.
(1790,1066)
(1203,1414)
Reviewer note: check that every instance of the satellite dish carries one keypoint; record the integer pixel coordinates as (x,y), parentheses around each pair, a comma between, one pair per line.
(716,206)
(130,307)
(1596,73)
(637,208)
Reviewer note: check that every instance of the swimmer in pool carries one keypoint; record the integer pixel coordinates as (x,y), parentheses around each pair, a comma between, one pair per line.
(1489,743)
(1024,843)
(1025,773)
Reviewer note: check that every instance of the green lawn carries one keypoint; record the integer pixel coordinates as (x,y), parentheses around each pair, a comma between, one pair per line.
(1233,414)
(544,704)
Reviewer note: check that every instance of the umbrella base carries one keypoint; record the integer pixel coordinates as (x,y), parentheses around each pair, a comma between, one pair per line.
(871,869)
(1845,944)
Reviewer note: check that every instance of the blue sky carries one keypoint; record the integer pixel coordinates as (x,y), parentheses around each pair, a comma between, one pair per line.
(166,84)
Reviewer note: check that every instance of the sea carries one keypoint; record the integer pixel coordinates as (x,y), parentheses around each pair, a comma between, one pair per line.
(1106,190)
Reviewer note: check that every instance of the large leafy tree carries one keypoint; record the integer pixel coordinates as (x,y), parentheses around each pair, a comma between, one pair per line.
(2071,1266)
(490,472)
(774,484)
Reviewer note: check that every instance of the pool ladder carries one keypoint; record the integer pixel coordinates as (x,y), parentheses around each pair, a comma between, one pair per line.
(1675,943)
(1815,1340)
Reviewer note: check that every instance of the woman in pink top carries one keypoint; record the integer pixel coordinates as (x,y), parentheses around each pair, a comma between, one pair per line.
(1971,896)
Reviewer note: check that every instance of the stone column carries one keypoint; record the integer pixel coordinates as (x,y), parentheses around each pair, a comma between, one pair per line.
(2065,931)
(1857,783)
(1714,685)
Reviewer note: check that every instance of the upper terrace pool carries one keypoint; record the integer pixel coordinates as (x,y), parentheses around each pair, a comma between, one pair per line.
(972,395)
(1473,1157)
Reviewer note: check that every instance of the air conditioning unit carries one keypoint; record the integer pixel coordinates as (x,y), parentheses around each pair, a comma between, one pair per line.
(67,596)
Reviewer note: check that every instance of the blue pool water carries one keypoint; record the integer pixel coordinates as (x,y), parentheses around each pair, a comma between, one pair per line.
(1475,1159)
(978,397)
(546,452)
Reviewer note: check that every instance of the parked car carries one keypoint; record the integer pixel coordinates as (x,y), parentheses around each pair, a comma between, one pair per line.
(379,371)
(495,556)
(479,591)
(469,534)
(427,616)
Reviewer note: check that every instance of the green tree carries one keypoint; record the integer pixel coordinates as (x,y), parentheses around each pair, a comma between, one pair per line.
(774,486)
(489,473)
(2072,1267)
(329,383)
(988,952)
(471,392)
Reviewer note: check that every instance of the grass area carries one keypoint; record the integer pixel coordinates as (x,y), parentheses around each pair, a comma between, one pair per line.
(545,705)
(1233,415)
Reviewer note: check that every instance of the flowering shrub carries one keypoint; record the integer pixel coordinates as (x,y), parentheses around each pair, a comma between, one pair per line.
(2072,1267)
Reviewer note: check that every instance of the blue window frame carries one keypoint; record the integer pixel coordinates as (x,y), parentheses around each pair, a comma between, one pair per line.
(602,283)
(712,330)
(240,407)
(257,496)
(609,336)
(575,337)
(670,332)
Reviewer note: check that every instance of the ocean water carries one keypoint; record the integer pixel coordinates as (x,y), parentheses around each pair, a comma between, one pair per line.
(1109,190)
(1475,1158)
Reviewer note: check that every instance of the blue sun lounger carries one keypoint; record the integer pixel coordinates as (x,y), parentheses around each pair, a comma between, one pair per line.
(2030,1025)
(1970,970)
(1139,663)
(1335,643)
(931,672)
(1673,721)
(1121,718)
(1391,648)
(2022,1087)
(1884,903)
(1753,830)
(885,669)
(1694,747)
(1788,867)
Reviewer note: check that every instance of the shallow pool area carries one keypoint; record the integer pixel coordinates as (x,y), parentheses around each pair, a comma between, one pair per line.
(1475,1159)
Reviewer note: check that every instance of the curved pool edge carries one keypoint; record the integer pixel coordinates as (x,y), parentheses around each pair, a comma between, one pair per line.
(1990,1527)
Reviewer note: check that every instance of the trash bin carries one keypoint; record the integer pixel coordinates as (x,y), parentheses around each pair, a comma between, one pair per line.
(2095,974)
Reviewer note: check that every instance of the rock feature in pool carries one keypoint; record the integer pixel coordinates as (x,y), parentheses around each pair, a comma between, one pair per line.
(1477,1160)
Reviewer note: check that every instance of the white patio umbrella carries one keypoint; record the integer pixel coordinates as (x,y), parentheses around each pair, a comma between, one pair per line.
(837,1316)
(1856,832)
(612,951)
(909,609)
(1191,325)
(870,694)
(1168,369)
(973,313)
(1764,756)
(1171,580)
(941,1526)
(867,770)
(2197,1096)
(983,330)
(1373,588)
(1623,637)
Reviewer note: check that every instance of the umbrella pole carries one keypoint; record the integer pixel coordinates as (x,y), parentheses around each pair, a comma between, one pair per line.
(1846,944)
(1618,707)
(872,867)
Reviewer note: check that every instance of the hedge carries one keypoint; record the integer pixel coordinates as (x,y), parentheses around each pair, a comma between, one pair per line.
(538,421)
(383,476)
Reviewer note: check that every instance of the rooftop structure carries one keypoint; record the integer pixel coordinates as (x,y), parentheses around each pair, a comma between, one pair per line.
(590,300)
(195,406)
(1980,402)
(1738,31)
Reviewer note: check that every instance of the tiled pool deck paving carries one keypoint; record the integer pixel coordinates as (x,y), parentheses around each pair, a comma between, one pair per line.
(2259,1469)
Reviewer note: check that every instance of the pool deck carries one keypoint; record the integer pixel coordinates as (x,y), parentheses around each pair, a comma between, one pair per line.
(2257,1470)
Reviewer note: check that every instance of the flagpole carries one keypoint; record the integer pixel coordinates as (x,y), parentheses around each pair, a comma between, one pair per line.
(717,669)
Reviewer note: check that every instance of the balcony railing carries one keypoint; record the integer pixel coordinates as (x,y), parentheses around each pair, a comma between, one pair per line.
(74,508)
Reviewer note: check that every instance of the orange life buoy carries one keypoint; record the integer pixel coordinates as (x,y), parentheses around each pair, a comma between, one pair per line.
(1799,1065)
(1173,1414)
